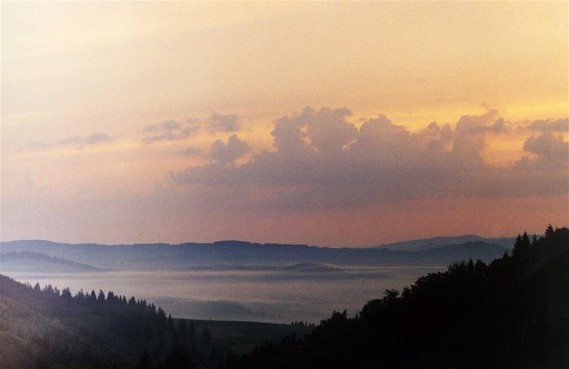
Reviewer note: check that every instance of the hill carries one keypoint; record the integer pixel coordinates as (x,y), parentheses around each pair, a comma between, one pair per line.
(33,262)
(459,252)
(48,328)
(510,313)
(244,254)
(440,242)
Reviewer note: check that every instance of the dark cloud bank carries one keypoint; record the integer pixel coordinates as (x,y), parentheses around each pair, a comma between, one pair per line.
(321,160)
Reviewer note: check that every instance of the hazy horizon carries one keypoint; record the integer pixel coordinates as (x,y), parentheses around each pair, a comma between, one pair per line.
(268,243)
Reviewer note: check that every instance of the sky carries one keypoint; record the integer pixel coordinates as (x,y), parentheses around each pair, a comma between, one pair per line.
(333,124)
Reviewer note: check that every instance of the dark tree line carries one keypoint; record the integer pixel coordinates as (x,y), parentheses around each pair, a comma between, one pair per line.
(300,323)
(92,330)
(510,313)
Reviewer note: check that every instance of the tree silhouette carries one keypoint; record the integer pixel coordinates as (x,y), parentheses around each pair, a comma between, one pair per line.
(145,360)
(511,313)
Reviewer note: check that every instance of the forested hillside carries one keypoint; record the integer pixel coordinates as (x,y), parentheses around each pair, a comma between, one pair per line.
(511,313)
(47,328)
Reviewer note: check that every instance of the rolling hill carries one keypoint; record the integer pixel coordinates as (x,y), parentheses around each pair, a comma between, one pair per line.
(48,328)
(238,253)
(27,261)
(439,242)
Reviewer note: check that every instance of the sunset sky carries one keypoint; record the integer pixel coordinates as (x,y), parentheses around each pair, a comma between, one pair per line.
(334,124)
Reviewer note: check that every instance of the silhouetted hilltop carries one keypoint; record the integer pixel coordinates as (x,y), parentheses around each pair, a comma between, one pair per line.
(510,313)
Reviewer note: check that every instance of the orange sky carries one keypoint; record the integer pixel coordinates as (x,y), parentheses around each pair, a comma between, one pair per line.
(142,122)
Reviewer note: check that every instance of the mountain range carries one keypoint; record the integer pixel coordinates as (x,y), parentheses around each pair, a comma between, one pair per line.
(40,255)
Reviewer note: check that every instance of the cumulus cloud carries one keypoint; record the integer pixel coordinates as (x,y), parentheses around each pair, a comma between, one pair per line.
(322,160)
(476,124)
(170,131)
(550,157)
(325,131)
(547,146)
(559,125)
(227,153)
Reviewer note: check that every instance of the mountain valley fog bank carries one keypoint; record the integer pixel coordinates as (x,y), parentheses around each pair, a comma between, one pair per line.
(233,280)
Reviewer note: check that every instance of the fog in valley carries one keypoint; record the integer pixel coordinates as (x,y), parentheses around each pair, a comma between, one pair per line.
(305,293)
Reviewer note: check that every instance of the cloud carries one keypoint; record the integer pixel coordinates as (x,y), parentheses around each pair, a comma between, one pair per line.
(75,141)
(227,153)
(69,141)
(224,123)
(547,146)
(96,138)
(550,155)
(322,160)
(476,124)
(325,131)
(469,137)
(192,151)
(170,131)
(559,125)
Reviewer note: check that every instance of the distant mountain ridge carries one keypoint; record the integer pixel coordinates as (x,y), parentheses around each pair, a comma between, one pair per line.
(27,261)
(443,241)
(439,251)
